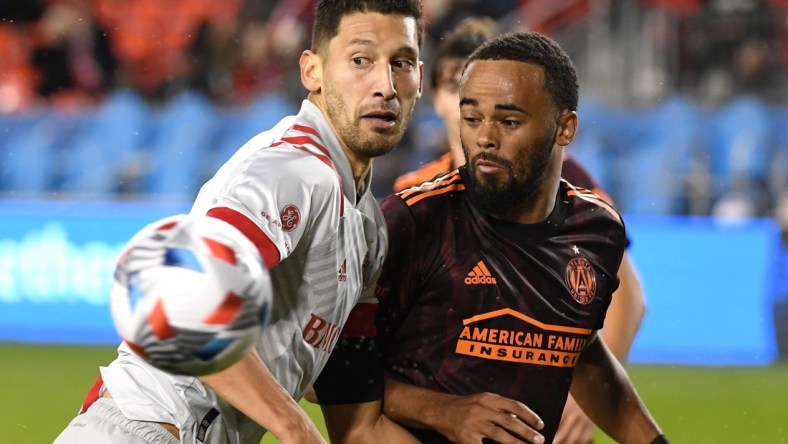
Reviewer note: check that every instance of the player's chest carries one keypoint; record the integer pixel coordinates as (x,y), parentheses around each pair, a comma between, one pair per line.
(336,268)
(551,282)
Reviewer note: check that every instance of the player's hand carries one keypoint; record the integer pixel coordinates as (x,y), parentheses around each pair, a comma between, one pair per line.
(575,427)
(470,419)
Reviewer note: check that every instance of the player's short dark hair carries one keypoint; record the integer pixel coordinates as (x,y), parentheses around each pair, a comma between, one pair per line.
(329,13)
(459,43)
(536,48)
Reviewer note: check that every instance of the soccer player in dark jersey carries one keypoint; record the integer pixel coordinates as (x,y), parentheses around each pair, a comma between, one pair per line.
(628,306)
(500,273)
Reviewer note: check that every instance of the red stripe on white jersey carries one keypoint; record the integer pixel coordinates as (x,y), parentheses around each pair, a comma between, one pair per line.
(92,395)
(264,244)
(326,160)
(298,142)
(306,129)
(306,140)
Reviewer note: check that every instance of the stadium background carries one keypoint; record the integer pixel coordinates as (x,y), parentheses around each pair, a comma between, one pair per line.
(112,112)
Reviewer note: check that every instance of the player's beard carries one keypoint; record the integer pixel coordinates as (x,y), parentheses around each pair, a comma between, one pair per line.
(516,190)
(364,143)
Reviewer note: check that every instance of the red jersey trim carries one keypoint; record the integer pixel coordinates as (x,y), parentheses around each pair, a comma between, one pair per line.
(306,129)
(361,321)
(303,140)
(266,247)
(92,395)
(298,143)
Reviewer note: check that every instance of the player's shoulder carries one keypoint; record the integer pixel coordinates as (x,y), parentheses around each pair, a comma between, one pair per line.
(296,153)
(424,203)
(585,200)
(436,190)
(425,173)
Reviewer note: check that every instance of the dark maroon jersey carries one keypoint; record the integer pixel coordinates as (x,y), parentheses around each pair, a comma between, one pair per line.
(470,304)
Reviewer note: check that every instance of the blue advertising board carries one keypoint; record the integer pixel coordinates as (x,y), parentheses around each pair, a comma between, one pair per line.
(708,284)
(708,287)
(56,265)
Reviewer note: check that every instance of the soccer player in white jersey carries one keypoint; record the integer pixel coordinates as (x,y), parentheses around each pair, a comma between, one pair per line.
(301,193)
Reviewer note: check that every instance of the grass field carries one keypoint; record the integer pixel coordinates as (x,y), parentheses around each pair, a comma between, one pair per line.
(42,387)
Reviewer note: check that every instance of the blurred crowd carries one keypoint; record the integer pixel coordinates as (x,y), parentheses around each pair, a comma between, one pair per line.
(74,54)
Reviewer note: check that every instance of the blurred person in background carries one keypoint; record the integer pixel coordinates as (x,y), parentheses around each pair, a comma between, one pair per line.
(74,62)
(54,53)
(730,48)
(628,304)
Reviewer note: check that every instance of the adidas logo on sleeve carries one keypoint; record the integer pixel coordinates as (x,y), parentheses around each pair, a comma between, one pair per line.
(480,275)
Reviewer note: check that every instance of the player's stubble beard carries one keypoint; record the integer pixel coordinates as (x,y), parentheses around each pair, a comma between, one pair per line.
(367,144)
(503,197)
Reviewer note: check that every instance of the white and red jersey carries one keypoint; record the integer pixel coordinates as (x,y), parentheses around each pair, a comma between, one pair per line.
(291,191)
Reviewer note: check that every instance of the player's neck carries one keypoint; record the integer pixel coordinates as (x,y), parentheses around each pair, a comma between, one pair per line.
(359,165)
(541,204)
(534,211)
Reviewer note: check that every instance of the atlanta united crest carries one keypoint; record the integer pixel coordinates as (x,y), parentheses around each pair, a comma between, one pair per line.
(290,217)
(580,279)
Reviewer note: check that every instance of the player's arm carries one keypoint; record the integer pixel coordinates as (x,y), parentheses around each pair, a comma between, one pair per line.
(625,312)
(602,388)
(350,387)
(363,423)
(251,388)
(249,385)
(621,325)
(462,419)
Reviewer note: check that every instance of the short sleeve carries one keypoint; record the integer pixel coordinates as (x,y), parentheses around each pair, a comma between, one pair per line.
(276,196)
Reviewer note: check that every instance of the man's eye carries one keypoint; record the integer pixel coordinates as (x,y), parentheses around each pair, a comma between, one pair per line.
(359,61)
(402,64)
(510,123)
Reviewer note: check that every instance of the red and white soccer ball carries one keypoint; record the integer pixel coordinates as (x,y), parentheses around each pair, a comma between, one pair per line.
(190,295)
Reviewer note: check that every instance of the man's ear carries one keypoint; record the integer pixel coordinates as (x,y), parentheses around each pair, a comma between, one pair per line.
(421,79)
(311,71)
(566,128)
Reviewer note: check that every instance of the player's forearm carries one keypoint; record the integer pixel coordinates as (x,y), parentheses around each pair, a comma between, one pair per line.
(363,423)
(602,388)
(251,388)
(625,312)
(415,406)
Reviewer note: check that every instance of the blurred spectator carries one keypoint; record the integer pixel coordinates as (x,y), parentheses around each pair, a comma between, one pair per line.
(455,11)
(72,56)
(153,42)
(270,46)
(732,47)
(17,89)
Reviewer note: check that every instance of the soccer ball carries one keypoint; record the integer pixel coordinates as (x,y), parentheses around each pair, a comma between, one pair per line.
(190,295)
